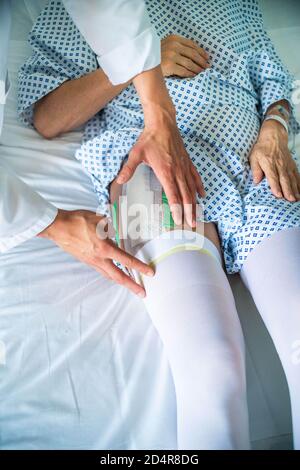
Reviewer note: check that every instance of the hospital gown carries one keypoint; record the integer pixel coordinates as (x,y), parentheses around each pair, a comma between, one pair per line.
(219,111)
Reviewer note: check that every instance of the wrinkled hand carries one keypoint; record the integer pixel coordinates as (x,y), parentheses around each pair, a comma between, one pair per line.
(182,57)
(78,233)
(270,157)
(161,147)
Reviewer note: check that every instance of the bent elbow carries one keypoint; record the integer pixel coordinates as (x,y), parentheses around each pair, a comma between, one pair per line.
(44,127)
(44,130)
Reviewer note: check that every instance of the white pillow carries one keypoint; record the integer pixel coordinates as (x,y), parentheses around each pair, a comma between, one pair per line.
(5,15)
(21,21)
(24,14)
(34,7)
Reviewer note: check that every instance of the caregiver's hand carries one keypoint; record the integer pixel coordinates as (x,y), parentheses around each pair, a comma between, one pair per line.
(182,57)
(271,157)
(161,147)
(79,233)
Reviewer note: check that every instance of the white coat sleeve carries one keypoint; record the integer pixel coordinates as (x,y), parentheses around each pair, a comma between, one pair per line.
(120,34)
(23,212)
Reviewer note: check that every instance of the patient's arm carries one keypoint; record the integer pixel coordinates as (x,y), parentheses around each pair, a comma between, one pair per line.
(271,157)
(74,103)
(160,144)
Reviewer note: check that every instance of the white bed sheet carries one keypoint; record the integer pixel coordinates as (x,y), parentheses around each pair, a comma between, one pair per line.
(84,367)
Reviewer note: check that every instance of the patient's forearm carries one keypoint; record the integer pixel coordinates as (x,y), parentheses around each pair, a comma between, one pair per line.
(74,103)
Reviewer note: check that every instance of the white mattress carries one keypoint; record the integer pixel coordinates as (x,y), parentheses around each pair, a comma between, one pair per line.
(84,367)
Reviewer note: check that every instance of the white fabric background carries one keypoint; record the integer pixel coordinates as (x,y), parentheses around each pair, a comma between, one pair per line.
(84,367)
(4,35)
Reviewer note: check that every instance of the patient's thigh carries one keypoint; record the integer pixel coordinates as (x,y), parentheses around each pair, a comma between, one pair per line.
(208,229)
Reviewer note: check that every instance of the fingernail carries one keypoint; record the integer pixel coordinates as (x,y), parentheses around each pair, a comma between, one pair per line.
(192,222)
(142,295)
(177,218)
(150,272)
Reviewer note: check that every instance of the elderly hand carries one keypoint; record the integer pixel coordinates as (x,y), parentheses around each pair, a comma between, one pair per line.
(270,157)
(182,57)
(83,234)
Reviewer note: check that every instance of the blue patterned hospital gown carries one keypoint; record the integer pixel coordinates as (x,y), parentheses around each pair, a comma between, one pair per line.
(219,111)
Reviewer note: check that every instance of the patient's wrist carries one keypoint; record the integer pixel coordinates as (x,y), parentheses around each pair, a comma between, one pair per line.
(273,129)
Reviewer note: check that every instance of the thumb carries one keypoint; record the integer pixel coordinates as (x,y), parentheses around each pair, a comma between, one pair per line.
(257,171)
(128,168)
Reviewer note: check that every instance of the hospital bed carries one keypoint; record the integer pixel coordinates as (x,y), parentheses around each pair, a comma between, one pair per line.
(81,364)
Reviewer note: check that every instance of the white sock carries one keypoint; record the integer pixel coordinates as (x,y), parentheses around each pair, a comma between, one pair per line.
(191,305)
(272,274)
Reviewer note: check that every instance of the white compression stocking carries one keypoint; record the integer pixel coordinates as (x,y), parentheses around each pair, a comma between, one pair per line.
(272,274)
(191,305)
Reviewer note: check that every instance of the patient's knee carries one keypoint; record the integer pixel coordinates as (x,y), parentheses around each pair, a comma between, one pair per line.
(218,375)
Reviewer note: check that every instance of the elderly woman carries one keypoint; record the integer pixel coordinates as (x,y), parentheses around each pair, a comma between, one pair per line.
(232,97)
